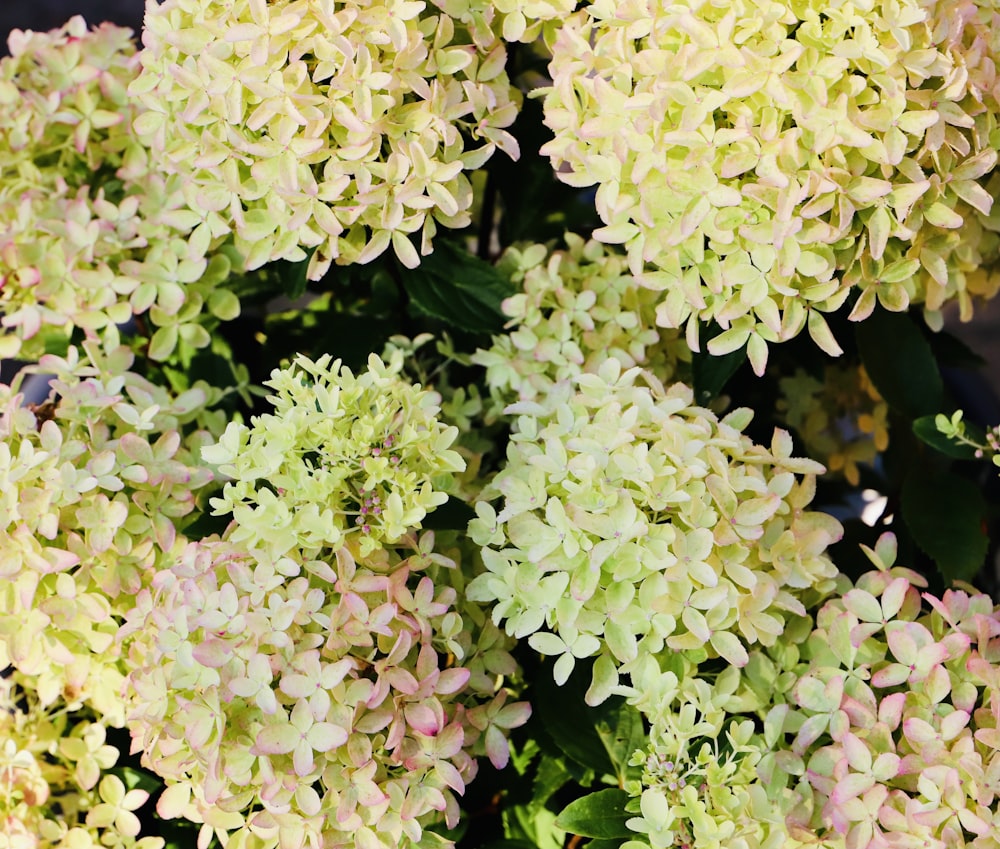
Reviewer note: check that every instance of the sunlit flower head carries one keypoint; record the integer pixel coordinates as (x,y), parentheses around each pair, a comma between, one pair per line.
(629,521)
(766,162)
(341,455)
(313,125)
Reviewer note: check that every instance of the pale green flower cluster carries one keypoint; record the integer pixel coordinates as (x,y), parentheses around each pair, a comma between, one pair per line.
(313,125)
(633,521)
(700,783)
(93,485)
(578,307)
(842,419)
(308,700)
(91,233)
(55,792)
(512,20)
(342,455)
(770,160)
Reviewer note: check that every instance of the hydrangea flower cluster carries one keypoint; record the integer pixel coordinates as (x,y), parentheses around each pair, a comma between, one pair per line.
(308,701)
(54,791)
(341,455)
(773,159)
(305,124)
(895,714)
(93,485)
(90,232)
(842,420)
(633,521)
(513,20)
(700,784)
(311,678)
(577,308)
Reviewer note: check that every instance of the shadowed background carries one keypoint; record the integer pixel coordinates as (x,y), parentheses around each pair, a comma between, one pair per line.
(47,14)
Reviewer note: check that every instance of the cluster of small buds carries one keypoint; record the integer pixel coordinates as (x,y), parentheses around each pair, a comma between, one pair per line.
(55,791)
(763,162)
(339,450)
(304,124)
(955,428)
(633,521)
(90,232)
(319,702)
(578,307)
(842,419)
(93,485)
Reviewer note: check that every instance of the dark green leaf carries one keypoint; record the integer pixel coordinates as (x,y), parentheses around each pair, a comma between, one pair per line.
(459,289)
(569,721)
(133,778)
(944,514)
(711,374)
(622,732)
(607,843)
(601,814)
(293,275)
(900,363)
(536,206)
(533,823)
(927,431)
(552,775)
(453,515)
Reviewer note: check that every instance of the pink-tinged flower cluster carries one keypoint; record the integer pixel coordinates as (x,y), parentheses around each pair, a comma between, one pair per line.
(91,231)
(333,701)
(893,716)
(765,162)
(578,307)
(93,485)
(310,124)
(633,522)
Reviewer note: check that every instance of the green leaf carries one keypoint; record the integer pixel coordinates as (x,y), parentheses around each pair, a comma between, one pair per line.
(606,843)
(944,514)
(293,275)
(453,515)
(569,721)
(601,814)
(709,373)
(455,287)
(551,776)
(534,824)
(622,732)
(133,778)
(927,432)
(900,363)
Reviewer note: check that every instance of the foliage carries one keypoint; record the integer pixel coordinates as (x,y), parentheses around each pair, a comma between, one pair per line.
(545,529)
